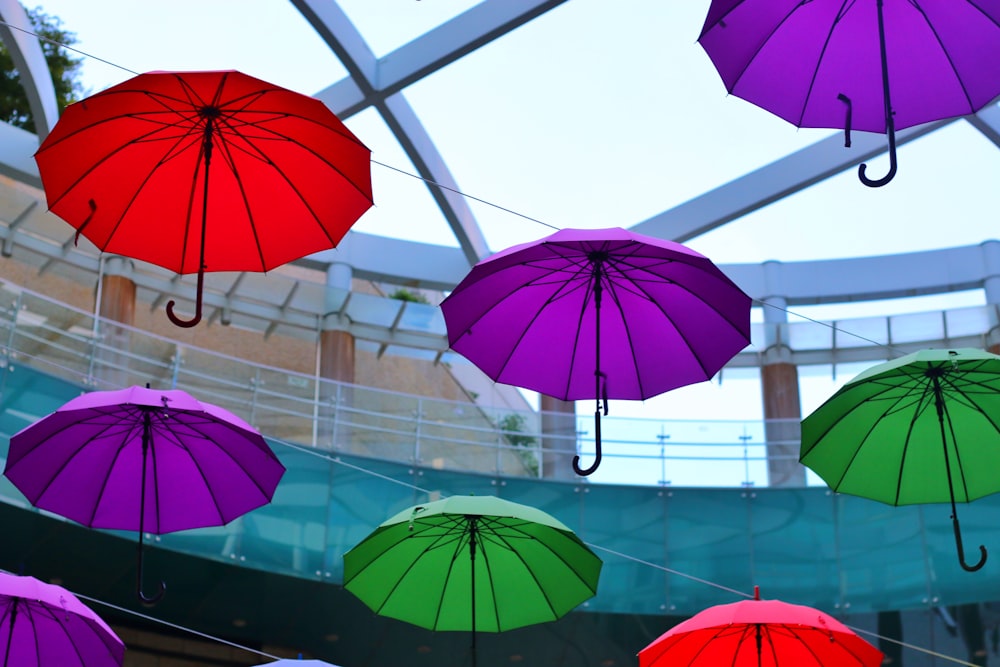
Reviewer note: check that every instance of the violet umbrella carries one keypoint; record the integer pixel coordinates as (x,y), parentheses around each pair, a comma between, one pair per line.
(874,65)
(601,313)
(143,459)
(44,624)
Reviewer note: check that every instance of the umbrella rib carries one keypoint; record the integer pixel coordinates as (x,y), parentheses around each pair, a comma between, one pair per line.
(922,404)
(954,444)
(516,528)
(83,445)
(844,8)
(564,288)
(237,432)
(749,60)
(886,387)
(289,181)
(172,151)
(489,578)
(43,609)
(659,306)
(944,50)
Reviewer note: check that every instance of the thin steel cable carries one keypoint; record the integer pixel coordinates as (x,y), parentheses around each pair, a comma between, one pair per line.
(462,194)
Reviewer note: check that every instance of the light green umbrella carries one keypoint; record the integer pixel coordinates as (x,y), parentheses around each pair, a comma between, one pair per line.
(924,428)
(473,563)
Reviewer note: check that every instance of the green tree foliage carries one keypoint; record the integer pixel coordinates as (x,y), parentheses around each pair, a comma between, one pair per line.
(65,69)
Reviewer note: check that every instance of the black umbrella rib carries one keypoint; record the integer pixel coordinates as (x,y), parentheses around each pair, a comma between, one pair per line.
(760,48)
(524,535)
(27,610)
(894,405)
(951,430)
(844,8)
(489,577)
(44,610)
(289,181)
(944,50)
(147,137)
(447,537)
(659,306)
(567,286)
(82,445)
(161,417)
(923,403)
(237,432)
(268,115)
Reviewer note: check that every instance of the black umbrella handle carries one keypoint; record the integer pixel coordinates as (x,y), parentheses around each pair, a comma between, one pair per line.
(187,324)
(961,550)
(584,472)
(890,125)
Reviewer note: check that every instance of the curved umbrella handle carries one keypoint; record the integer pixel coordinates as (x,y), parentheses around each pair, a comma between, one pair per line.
(584,472)
(197,305)
(877,183)
(147,600)
(890,125)
(961,550)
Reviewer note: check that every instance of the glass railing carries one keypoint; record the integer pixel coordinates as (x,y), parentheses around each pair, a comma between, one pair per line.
(71,344)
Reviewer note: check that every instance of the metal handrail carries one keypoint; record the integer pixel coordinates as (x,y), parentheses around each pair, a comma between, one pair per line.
(49,335)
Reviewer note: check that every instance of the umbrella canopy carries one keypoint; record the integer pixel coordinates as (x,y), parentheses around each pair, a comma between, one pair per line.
(924,428)
(760,633)
(143,459)
(205,171)
(476,563)
(43,624)
(602,313)
(876,65)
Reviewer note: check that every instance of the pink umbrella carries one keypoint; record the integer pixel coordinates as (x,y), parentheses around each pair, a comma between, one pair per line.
(146,460)
(760,633)
(43,624)
(876,65)
(602,313)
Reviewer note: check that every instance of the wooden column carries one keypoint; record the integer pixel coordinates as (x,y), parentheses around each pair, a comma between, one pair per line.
(780,387)
(117,304)
(118,299)
(336,356)
(558,437)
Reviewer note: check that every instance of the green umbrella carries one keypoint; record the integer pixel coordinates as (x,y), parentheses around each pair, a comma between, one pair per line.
(924,428)
(472,563)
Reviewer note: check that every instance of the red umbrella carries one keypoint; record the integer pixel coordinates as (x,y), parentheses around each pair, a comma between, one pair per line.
(205,171)
(760,633)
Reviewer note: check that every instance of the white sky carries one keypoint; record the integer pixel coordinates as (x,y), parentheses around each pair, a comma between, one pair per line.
(597,114)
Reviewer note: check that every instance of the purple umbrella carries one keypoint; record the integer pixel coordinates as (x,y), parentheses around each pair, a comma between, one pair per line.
(43,624)
(602,313)
(146,460)
(876,65)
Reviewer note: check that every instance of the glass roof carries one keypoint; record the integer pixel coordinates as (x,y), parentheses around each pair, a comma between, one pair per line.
(591,115)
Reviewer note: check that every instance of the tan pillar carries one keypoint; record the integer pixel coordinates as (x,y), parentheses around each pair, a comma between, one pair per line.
(337,363)
(780,386)
(779,383)
(117,304)
(118,299)
(336,356)
(558,437)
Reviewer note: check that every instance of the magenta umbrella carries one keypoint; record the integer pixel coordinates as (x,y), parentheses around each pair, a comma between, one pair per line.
(874,65)
(143,459)
(43,624)
(601,313)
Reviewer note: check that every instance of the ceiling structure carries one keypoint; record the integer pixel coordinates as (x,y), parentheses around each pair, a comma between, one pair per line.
(387,82)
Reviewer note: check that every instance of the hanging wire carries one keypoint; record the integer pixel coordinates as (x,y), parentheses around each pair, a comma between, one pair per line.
(465,195)
(43,38)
